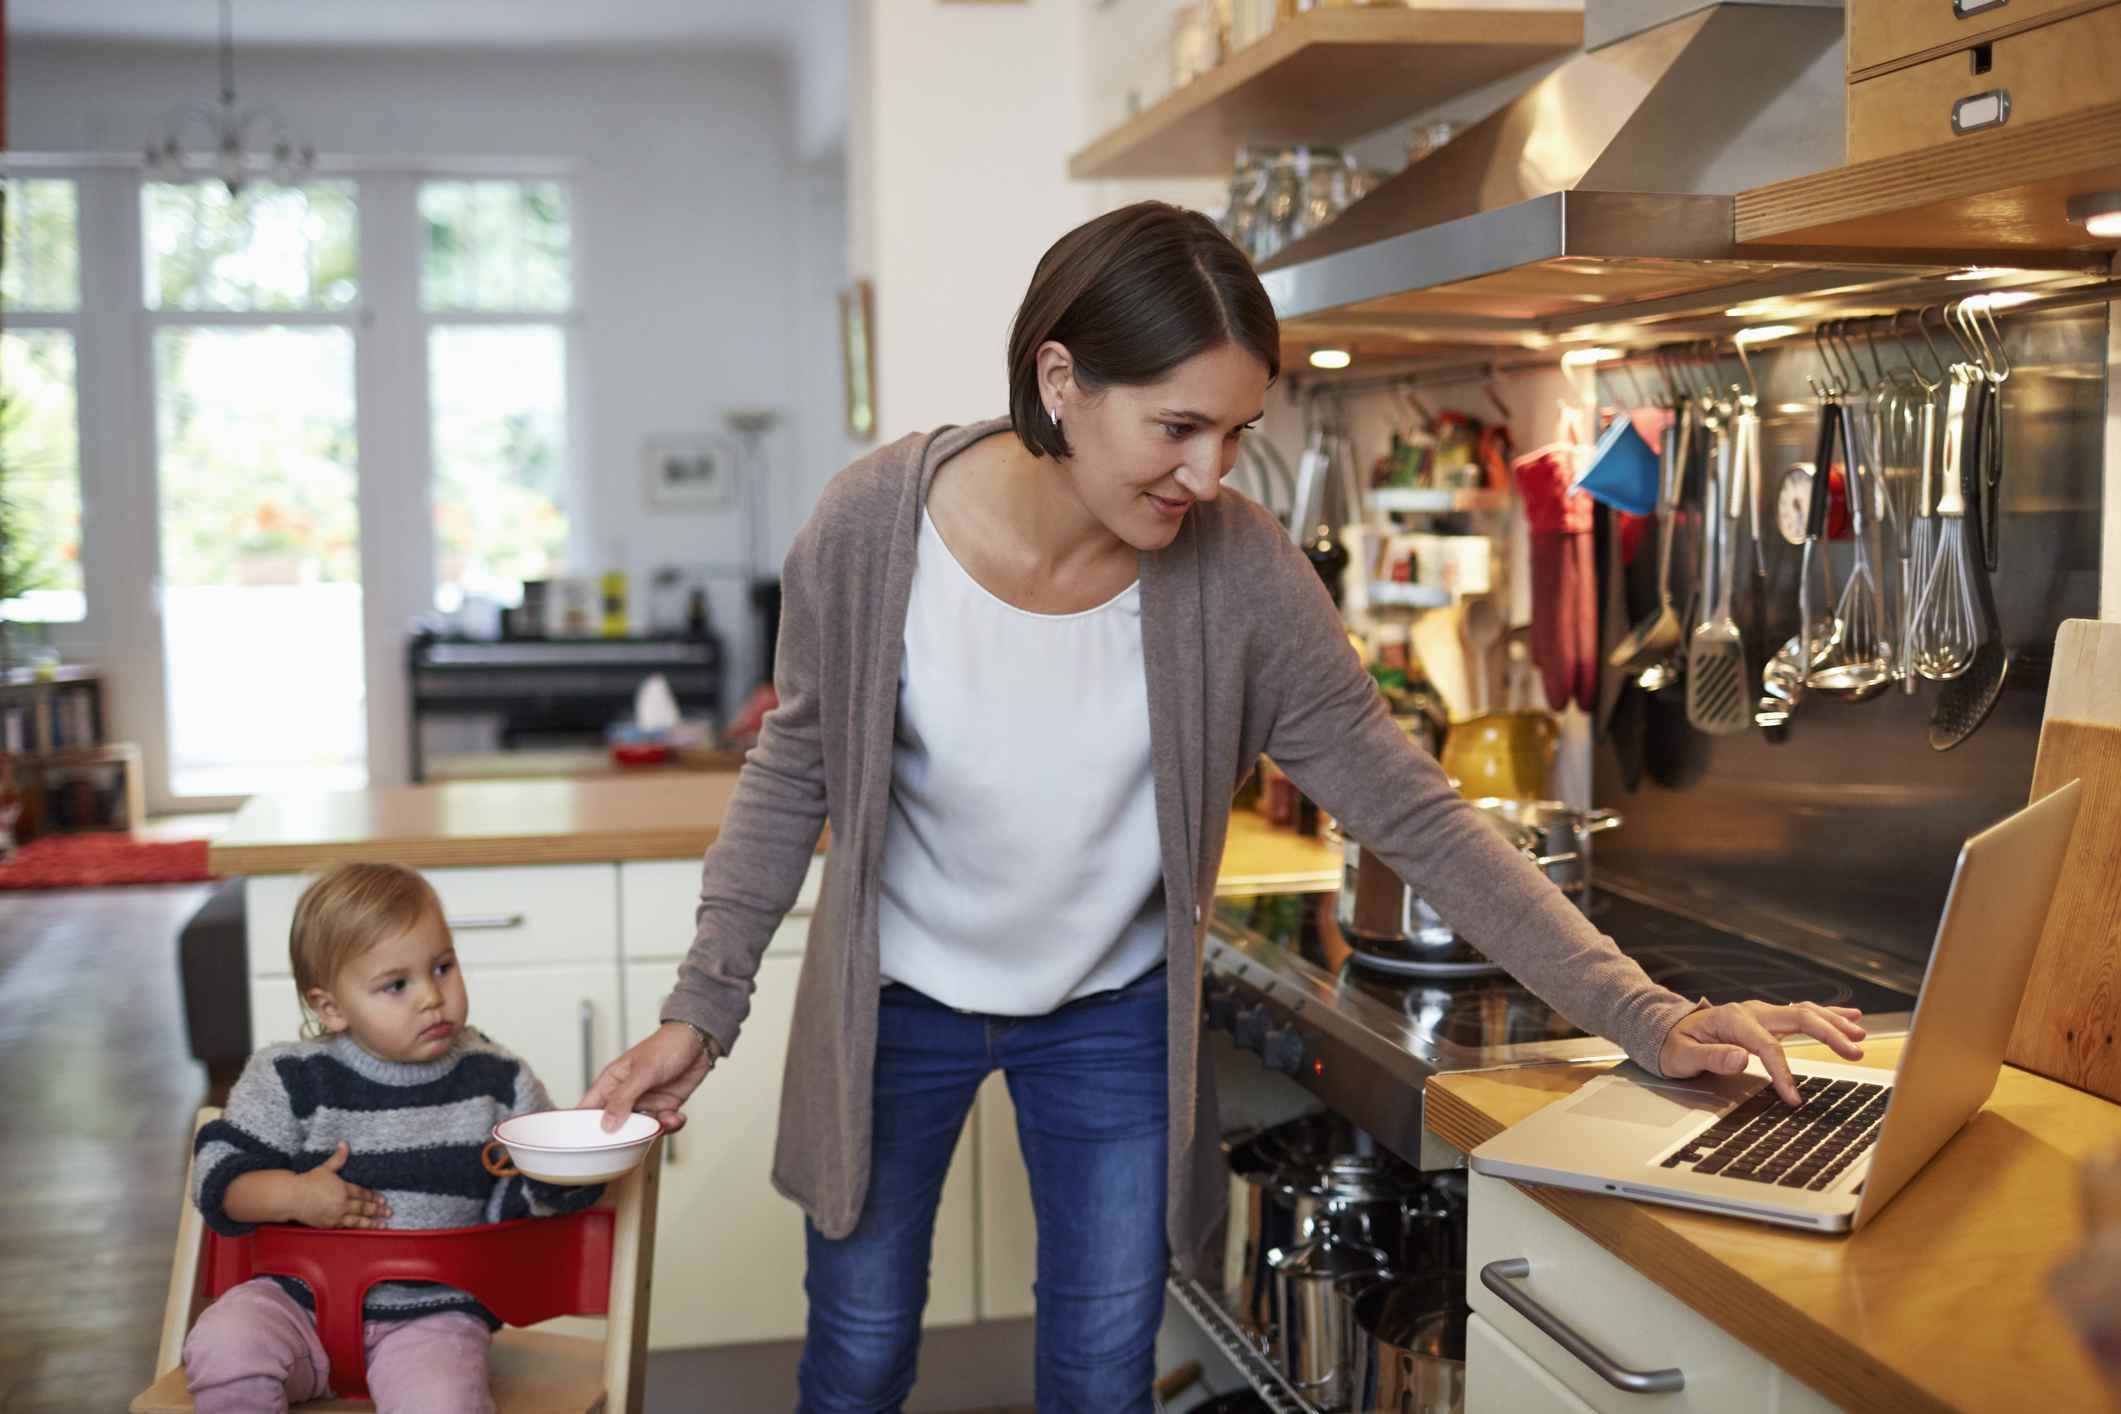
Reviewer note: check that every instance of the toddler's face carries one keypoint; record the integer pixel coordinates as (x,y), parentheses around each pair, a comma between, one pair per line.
(403,999)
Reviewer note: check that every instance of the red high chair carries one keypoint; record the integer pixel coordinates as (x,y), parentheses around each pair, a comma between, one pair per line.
(592,1263)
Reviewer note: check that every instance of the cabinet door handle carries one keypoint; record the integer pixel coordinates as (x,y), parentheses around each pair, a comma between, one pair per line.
(484,922)
(1965,8)
(589,1020)
(1500,1277)
(1981,110)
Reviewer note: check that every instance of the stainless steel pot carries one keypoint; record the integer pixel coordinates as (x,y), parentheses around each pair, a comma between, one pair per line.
(1353,1198)
(1560,833)
(1407,1344)
(1263,1216)
(1262,1220)
(1377,908)
(1314,1342)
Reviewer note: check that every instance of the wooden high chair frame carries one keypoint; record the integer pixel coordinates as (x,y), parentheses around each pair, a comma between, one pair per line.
(533,1371)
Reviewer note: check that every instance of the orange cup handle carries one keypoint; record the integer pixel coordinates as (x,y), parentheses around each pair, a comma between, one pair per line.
(501,1167)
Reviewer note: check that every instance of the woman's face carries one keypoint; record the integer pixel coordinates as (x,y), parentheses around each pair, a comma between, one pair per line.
(1144,454)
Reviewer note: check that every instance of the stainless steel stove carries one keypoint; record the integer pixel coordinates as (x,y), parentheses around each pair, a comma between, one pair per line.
(1364,1041)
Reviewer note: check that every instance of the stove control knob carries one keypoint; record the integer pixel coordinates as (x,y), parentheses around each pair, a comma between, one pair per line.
(1282,1048)
(1250,1026)
(1218,1004)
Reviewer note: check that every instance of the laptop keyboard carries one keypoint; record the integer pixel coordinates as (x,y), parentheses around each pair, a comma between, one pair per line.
(1803,1146)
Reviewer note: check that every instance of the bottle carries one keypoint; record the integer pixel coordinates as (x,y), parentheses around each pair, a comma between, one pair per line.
(612,592)
(696,625)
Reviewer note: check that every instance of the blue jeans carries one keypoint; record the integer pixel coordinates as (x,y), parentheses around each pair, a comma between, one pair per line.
(1088,1081)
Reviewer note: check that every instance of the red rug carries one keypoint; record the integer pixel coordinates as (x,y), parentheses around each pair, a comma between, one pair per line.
(90,860)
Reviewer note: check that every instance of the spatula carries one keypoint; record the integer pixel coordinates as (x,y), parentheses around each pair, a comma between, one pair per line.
(1715,668)
(1659,633)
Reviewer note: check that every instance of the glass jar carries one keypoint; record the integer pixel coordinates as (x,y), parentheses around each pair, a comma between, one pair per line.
(1240,219)
(1280,202)
(1323,174)
(1427,138)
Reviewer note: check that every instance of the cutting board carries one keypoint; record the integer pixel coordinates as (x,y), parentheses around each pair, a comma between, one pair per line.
(2071,1015)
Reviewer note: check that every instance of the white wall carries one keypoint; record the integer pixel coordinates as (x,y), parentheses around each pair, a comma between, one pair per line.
(969,115)
(707,259)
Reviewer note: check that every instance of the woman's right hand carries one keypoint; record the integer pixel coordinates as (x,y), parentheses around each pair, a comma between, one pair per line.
(655,1078)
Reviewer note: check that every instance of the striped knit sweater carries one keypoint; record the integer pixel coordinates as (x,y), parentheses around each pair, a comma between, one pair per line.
(413,1135)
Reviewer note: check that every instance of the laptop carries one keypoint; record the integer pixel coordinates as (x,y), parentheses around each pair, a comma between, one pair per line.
(1728,1144)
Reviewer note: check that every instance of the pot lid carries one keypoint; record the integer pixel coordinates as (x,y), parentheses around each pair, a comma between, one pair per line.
(1324,1259)
(1350,1178)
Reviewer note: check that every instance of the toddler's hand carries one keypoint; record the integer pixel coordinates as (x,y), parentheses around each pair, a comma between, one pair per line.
(327,1200)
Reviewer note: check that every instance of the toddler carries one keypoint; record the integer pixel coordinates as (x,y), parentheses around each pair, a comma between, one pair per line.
(378,1120)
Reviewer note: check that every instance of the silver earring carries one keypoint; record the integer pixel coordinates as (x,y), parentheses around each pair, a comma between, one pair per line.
(1055,415)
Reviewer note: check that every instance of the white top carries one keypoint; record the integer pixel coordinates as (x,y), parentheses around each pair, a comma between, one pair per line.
(1021,865)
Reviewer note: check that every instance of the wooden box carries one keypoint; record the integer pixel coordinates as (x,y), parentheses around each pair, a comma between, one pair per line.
(1916,85)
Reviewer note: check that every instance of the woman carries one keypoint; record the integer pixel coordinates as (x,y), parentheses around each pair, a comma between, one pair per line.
(1023,667)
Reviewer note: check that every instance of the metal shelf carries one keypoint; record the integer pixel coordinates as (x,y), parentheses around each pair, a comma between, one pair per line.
(1391,594)
(1258,1371)
(1419,499)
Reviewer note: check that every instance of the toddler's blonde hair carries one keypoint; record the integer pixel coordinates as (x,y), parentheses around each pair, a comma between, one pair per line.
(347,911)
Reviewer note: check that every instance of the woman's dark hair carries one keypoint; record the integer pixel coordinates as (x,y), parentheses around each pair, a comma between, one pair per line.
(1133,294)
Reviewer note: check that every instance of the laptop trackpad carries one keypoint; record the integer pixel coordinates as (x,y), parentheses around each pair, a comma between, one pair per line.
(1647,1105)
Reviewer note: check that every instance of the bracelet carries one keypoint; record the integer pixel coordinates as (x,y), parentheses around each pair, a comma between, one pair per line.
(707,1042)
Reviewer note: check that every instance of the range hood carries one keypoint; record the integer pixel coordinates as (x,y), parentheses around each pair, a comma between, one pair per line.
(1601,197)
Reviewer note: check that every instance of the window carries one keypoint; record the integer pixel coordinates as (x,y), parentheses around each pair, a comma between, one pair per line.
(497,280)
(250,305)
(269,248)
(40,457)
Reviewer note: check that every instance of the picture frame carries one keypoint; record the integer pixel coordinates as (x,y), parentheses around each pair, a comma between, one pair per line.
(689,472)
(858,358)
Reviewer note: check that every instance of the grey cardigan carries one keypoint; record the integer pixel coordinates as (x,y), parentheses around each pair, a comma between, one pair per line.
(1245,654)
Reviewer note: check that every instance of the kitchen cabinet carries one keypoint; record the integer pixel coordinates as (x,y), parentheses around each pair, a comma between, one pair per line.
(1893,34)
(1618,1310)
(563,1021)
(1901,1315)
(729,1248)
(550,913)
(1502,1379)
(2056,70)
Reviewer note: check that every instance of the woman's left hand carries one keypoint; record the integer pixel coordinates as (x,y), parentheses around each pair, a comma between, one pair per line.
(1718,1039)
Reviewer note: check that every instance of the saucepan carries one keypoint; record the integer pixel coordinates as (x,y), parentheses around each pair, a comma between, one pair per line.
(1407,1352)
(1562,836)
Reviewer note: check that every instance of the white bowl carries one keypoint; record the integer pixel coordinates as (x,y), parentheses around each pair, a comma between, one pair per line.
(572,1147)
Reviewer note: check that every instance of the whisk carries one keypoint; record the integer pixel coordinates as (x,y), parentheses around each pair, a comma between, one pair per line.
(1862,662)
(1947,626)
(1919,549)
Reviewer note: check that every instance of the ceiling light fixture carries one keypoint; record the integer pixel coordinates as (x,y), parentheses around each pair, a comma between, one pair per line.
(2099,213)
(230,129)
(1985,272)
(1577,358)
(1330,358)
(1763,333)
(1755,310)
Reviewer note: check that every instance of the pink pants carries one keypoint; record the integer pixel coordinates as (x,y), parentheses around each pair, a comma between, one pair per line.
(255,1351)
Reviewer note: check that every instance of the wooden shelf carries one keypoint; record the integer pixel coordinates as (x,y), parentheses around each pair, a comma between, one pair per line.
(1328,76)
(1997,193)
(1416,500)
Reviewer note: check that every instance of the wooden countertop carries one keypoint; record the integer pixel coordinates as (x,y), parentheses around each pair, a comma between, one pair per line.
(1939,1304)
(672,815)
